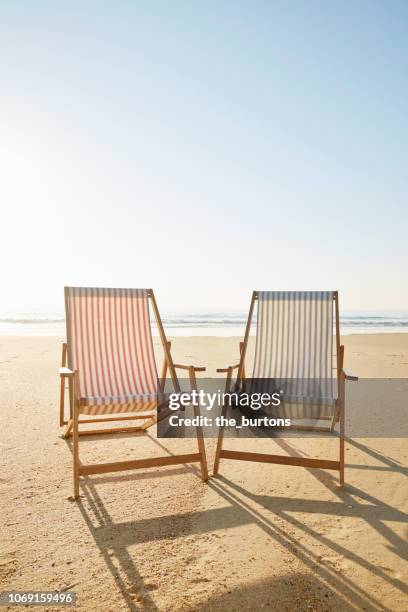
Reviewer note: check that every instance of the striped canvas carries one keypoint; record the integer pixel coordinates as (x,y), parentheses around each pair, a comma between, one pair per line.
(294,344)
(111,347)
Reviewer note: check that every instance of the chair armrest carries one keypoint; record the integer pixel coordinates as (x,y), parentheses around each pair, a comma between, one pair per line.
(186,367)
(66,373)
(349,376)
(226,370)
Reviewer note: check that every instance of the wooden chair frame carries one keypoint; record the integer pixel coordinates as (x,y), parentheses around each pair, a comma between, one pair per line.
(73,423)
(338,413)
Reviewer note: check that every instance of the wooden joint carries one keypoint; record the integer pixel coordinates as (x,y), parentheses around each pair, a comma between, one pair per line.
(189,367)
(228,369)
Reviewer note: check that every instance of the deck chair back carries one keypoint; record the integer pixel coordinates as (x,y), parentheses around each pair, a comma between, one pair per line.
(294,347)
(110,344)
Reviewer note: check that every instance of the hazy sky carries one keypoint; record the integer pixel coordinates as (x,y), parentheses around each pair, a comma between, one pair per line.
(204,149)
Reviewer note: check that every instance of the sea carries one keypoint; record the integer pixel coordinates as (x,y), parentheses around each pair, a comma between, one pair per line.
(204,324)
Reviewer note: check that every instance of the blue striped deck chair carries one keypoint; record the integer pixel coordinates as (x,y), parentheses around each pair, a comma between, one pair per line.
(298,352)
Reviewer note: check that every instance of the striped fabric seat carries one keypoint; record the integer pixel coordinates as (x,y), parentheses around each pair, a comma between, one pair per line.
(294,350)
(112,350)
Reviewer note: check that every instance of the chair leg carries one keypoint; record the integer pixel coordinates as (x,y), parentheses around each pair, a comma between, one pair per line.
(341,453)
(203,458)
(220,441)
(62,385)
(342,422)
(221,429)
(199,430)
(71,397)
(76,453)
(75,435)
(219,446)
(62,402)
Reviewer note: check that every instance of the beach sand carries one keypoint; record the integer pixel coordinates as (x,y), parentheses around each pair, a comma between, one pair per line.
(257,537)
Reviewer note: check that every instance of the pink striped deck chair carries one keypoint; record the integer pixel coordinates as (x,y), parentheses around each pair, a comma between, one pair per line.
(110,365)
(294,351)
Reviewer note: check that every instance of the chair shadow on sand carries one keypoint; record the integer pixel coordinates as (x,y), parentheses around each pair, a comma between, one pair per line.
(114,539)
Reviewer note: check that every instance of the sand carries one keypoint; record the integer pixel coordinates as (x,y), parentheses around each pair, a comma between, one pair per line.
(257,537)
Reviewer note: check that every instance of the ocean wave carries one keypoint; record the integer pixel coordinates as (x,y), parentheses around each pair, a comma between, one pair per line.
(31,320)
(372,322)
(187,322)
(219,320)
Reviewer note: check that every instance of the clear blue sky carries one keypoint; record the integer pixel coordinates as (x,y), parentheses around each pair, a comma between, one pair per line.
(204,149)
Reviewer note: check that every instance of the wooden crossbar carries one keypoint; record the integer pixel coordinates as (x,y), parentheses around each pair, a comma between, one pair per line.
(324,464)
(308,428)
(120,466)
(123,418)
(110,430)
